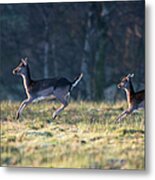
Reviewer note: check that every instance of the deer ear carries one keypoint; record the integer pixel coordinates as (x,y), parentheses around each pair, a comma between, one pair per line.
(131,75)
(128,76)
(24,61)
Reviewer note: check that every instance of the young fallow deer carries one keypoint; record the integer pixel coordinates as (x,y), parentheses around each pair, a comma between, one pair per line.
(135,100)
(58,88)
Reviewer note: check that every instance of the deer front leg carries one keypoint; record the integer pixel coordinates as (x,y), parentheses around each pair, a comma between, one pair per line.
(123,115)
(22,106)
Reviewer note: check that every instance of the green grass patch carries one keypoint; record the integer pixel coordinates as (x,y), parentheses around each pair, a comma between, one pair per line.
(85,135)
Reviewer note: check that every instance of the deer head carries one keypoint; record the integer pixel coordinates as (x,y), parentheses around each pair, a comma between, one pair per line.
(21,69)
(124,84)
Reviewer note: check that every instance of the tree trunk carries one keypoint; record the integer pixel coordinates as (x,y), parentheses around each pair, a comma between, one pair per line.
(46,50)
(55,64)
(85,60)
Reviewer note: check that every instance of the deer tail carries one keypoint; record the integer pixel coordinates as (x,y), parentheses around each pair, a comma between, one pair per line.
(76,80)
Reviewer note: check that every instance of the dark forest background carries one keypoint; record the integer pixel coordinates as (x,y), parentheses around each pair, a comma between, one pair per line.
(104,40)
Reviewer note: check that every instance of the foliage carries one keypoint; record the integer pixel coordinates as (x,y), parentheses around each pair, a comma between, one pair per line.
(104,40)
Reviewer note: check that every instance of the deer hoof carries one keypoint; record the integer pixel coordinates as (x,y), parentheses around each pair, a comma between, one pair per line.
(54,116)
(17,116)
(117,120)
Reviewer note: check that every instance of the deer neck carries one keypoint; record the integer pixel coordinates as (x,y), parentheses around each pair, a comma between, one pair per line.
(130,93)
(26,79)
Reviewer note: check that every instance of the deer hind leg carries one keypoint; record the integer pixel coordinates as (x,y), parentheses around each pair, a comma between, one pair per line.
(61,108)
(141,105)
(63,96)
(67,97)
(124,114)
(22,106)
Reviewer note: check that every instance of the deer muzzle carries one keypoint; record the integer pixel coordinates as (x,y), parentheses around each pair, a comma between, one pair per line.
(15,71)
(119,86)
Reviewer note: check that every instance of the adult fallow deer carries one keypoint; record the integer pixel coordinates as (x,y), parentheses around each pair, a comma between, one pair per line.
(58,88)
(135,100)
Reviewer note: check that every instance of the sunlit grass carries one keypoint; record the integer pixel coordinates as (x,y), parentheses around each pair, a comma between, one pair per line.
(85,135)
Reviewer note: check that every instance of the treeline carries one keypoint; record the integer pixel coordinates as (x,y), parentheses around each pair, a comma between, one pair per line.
(104,40)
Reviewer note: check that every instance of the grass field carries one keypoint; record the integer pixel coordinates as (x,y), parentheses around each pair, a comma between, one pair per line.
(83,136)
